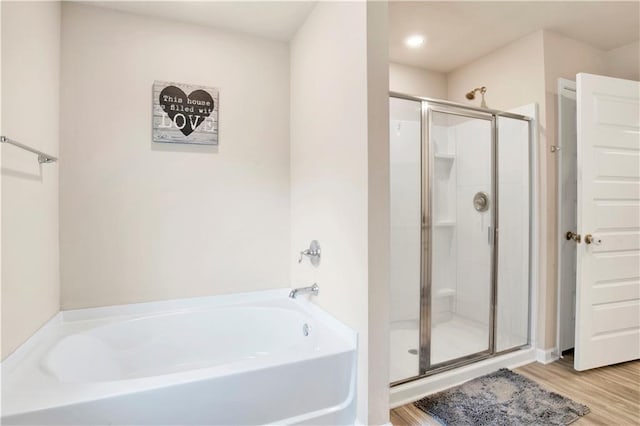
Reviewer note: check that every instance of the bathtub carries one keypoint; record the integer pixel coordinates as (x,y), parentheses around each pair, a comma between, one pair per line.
(256,358)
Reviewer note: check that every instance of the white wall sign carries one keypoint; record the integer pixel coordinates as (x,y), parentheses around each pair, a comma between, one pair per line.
(183,113)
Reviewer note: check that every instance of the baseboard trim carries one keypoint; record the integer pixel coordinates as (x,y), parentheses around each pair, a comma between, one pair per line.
(359,423)
(547,356)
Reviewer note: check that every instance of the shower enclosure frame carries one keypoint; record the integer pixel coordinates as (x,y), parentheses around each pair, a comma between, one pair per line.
(428,106)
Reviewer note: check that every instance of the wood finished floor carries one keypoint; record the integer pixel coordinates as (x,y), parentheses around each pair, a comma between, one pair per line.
(612,393)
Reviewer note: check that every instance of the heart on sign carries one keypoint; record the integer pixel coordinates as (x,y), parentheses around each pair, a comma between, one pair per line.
(186,112)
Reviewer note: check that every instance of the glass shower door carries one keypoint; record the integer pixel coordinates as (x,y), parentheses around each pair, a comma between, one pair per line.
(405,144)
(458,191)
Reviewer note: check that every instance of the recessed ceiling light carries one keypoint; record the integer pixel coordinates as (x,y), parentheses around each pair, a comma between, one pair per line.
(414,41)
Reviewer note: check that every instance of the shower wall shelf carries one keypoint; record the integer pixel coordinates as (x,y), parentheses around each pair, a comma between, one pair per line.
(445,292)
(445,223)
(448,157)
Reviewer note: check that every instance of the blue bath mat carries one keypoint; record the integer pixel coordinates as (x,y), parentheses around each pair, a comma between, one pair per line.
(500,399)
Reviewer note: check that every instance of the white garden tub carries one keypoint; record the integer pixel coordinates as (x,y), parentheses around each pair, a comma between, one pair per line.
(254,358)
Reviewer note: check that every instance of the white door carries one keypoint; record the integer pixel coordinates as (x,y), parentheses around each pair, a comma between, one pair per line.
(608,258)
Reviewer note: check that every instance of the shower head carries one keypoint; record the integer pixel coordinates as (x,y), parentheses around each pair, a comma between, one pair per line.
(472,94)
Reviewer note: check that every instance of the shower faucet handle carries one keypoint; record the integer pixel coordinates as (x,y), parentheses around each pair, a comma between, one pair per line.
(313,253)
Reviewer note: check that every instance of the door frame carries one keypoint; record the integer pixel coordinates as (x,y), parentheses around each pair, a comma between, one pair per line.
(565,88)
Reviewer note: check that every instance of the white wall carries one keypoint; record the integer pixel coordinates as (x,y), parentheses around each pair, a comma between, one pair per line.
(30,114)
(378,192)
(331,180)
(624,62)
(513,75)
(417,81)
(142,221)
(565,57)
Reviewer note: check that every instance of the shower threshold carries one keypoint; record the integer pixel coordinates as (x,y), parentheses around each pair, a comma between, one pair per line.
(455,343)
(451,339)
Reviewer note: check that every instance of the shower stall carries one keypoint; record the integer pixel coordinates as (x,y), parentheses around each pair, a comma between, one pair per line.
(460,235)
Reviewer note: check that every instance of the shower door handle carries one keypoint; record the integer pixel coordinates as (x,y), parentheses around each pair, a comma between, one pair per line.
(492,234)
(424,224)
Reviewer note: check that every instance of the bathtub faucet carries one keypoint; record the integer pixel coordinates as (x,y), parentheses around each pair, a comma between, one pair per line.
(313,289)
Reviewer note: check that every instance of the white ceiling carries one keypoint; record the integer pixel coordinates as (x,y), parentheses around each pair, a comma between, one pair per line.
(276,20)
(459,32)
